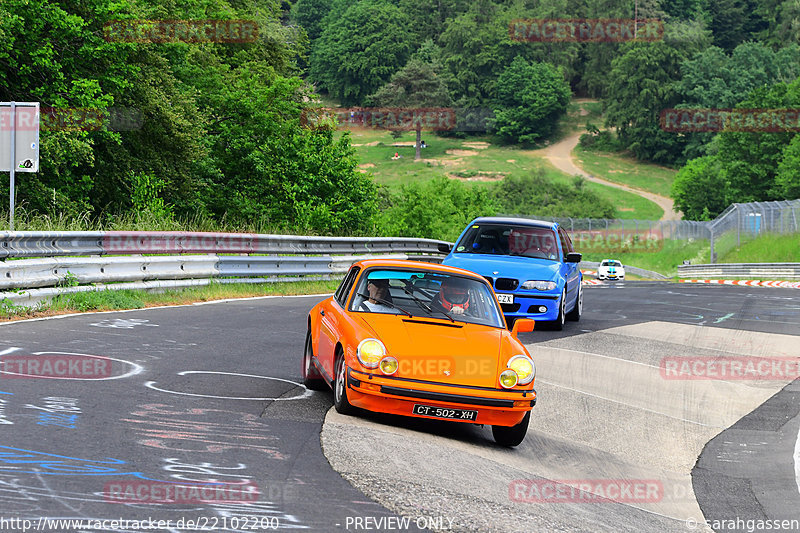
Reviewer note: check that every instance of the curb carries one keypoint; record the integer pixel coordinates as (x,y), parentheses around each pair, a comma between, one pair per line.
(748,282)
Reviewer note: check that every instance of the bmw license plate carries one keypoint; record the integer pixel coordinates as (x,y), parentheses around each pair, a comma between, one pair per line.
(443,412)
(505,298)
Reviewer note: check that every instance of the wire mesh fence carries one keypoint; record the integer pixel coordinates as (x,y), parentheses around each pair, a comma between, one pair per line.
(738,224)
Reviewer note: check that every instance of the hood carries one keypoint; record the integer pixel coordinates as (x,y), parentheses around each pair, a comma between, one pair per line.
(507,266)
(428,349)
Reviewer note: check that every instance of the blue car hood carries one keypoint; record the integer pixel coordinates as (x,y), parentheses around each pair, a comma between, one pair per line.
(507,266)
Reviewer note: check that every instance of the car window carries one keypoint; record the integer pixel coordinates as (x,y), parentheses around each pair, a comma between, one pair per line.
(508,239)
(566,243)
(344,288)
(426,294)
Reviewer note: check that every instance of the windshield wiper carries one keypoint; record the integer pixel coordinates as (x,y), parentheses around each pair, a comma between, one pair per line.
(410,291)
(385,302)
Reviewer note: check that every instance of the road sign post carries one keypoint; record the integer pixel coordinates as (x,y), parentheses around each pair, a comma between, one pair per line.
(19,143)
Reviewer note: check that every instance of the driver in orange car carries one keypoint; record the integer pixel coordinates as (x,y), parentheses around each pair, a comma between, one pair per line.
(454,296)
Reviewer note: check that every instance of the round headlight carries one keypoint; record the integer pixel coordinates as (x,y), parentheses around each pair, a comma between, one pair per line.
(524,368)
(370,352)
(388,365)
(508,378)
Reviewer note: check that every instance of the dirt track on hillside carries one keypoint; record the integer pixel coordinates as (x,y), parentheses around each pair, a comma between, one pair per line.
(560,155)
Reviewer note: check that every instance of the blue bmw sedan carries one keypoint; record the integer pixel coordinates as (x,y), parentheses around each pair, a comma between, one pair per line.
(530,263)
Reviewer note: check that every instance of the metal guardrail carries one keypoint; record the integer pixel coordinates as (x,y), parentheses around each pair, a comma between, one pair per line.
(51,263)
(81,243)
(771,271)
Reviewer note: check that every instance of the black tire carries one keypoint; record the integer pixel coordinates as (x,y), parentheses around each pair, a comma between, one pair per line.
(311,378)
(558,323)
(577,311)
(340,401)
(514,435)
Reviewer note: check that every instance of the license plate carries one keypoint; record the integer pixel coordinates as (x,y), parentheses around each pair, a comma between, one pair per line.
(443,412)
(505,298)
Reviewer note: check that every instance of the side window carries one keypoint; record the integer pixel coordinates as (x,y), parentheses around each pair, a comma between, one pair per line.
(344,289)
(566,244)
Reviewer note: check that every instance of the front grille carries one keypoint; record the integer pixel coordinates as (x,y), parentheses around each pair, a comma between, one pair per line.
(490,280)
(506,284)
(510,308)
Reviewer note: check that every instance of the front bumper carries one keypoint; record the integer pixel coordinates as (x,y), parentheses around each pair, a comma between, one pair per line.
(527,305)
(398,396)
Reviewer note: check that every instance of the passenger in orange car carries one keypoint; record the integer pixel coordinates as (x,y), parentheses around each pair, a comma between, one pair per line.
(378,290)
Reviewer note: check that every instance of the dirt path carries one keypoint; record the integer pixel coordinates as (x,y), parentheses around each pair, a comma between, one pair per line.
(560,155)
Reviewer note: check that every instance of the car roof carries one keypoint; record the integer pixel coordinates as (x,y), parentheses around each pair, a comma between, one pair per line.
(407,263)
(515,220)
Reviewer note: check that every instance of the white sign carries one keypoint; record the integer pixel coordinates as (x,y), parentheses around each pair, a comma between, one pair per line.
(24,127)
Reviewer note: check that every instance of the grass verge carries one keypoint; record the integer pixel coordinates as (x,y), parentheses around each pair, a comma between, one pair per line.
(627,171)
(112,300)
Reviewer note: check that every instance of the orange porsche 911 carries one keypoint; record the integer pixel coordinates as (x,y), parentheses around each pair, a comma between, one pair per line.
(423,340)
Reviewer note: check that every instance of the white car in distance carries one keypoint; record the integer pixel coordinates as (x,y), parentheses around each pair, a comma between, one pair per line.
(611,269)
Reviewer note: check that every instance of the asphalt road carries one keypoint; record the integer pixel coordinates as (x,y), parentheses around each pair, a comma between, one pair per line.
(179,397)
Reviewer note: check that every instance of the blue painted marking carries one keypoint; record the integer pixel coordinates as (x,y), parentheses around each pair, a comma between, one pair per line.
(11,393)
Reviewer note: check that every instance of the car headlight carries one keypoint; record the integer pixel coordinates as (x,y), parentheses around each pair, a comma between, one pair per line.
(508,378)
(370,352)
(388,365)
(523,367)
(539,285)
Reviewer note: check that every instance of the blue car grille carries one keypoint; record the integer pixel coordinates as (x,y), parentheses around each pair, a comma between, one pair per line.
(506,284)
(490,280)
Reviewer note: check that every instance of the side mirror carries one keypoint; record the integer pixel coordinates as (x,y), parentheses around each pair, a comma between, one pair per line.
(445,247)
(522,325)
(574,257)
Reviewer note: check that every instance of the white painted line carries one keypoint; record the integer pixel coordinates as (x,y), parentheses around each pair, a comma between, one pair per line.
(530,349)
(797,461)
(306,394)
(54,317)
(9,350)
(629,405)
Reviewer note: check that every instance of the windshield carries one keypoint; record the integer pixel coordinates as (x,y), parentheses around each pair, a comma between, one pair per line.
(426,294)
(612,263)
(506,239)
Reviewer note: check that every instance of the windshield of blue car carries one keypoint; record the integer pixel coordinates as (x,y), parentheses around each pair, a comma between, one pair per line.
(426,294)
(504,239)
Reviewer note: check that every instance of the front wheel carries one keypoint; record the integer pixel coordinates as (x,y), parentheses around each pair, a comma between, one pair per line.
(311,378)
(558,323)
(511,436)
(577,311)
(340,401)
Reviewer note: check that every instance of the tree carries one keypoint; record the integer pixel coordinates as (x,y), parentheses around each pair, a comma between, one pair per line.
(642,84)
(417,85)
(358,54)
(699,191)
(787,179)
(529,100)
(310,14)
